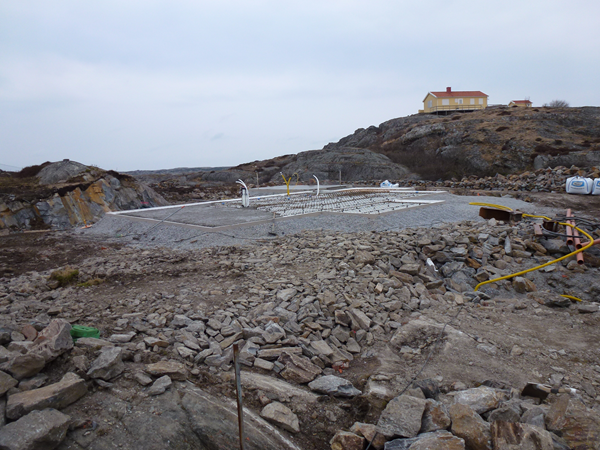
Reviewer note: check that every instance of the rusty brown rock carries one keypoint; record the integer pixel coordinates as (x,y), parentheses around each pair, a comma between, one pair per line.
(344,440)
(440,440)
(371,433)
(579,426)
(29,332)
(435,417)
(519,436)
(469,425)
(298,369)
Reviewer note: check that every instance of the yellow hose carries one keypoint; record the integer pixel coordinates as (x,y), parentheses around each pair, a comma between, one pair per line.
(505,208)
(570,297)
(588,245)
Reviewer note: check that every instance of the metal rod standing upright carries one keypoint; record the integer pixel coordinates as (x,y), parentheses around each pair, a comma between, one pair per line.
(238,388)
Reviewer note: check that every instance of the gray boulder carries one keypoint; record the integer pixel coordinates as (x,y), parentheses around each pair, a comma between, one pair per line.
(332,385)
(108,365)
(402,416)
(38,430)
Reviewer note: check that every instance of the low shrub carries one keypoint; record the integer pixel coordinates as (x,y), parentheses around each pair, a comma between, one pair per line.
(65,276)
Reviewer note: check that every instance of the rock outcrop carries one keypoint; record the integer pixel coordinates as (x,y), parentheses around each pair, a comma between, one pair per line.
(67,194)
(506,140)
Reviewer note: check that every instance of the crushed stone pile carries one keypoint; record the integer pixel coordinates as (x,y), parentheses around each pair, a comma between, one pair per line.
(331,326)
(541,180)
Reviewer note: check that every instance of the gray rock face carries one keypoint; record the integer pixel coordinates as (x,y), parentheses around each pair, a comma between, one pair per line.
(281,390)
(355,164)
(160,385)
(58,395)
(215,423)
(6,382)
(273,333)
(281,415)
(108,365)
(402,416)
(332,385)
(60,172)
(38,430)
(103,193)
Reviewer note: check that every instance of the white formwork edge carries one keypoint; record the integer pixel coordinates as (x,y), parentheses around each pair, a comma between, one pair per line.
(213,202)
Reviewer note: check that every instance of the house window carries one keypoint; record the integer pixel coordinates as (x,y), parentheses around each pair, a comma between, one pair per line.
(481,101)
(472,101)
(445,101)
(429,103)
(459,101)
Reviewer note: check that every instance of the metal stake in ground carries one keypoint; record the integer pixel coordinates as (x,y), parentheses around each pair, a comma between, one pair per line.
(238,388)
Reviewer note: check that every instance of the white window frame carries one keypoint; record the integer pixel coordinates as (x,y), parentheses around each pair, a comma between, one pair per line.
(429,103)
(472,101)
(481,101)
(445,101)
(458,101)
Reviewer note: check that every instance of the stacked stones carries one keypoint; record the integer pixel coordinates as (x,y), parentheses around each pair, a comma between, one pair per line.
(541,180)
(482,418)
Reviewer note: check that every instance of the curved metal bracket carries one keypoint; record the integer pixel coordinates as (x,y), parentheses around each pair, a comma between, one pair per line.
(315,177)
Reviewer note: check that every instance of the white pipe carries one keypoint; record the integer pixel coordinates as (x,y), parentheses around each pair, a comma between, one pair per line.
(315,177)
(245,194)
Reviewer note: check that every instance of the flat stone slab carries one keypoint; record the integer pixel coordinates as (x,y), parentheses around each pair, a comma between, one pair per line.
(58,395)
(174,369)
(281,415)
(284,391)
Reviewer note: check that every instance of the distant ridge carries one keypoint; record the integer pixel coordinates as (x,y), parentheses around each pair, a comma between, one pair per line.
(175,171)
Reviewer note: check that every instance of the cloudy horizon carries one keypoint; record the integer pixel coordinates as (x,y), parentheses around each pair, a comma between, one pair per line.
(142,85)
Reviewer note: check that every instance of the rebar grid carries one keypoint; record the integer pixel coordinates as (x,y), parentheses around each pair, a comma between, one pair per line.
(355,202)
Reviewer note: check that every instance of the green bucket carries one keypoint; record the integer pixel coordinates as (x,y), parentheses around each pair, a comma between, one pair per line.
(79,331)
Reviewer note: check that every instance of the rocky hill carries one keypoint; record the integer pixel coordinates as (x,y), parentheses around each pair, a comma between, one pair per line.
(66,193)
(495,140)
(353,163)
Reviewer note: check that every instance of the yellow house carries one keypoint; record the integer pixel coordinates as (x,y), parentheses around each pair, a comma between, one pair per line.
(520,103)
(449,100)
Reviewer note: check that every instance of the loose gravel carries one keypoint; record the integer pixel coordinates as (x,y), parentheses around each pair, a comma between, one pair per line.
(184,236)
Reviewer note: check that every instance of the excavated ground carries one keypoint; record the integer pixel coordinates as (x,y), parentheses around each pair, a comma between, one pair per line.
(559,342)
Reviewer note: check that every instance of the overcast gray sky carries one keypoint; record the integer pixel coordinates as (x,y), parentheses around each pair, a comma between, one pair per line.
(153,84)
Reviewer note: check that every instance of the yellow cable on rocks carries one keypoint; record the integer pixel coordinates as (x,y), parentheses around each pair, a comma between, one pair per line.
(570,297)
(505,208)
(588,245)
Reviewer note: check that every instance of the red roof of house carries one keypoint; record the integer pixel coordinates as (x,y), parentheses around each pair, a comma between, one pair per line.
(458,94)
(521,101)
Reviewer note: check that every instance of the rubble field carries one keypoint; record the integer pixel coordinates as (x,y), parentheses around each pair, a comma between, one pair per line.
(347,339)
